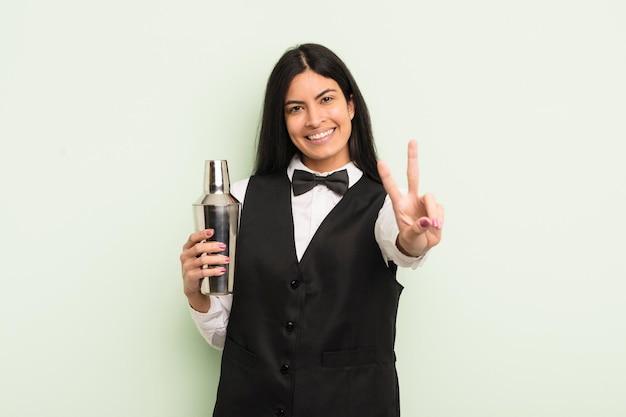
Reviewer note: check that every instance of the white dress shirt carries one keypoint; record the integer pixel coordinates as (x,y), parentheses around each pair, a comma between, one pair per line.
(309,210)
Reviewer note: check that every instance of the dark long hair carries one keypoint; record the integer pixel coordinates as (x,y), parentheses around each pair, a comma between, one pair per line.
(275,148)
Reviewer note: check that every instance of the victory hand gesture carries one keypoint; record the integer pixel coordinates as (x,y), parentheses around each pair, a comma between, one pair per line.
(419,218)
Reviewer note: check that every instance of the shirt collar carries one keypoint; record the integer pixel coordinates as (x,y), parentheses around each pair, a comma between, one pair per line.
(354,173)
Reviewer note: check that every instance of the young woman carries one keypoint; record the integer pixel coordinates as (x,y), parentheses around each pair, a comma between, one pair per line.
(310,329)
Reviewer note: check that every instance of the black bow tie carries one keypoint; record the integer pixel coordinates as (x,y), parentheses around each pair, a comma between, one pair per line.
(304,181)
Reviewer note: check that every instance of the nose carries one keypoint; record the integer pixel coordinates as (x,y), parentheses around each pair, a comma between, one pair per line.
(315,117)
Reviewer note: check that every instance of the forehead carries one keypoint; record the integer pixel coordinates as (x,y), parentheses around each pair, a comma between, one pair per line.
(309,83)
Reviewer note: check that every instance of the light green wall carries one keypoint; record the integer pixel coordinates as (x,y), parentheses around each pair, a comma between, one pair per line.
(108,110)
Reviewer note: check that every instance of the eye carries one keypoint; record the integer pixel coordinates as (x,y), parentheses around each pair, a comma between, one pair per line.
(327,99)
(294,109)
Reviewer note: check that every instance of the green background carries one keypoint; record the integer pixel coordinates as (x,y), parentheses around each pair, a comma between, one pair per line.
(108,110)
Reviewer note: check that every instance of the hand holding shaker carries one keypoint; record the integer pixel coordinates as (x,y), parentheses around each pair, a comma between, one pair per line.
(217,209)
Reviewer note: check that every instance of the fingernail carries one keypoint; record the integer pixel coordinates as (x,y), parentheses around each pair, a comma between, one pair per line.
(222,270)
(208,232)
(424,223)
(436,223)
(222,246)
(226,259)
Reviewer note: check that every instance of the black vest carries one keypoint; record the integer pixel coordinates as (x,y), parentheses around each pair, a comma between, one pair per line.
(313,338)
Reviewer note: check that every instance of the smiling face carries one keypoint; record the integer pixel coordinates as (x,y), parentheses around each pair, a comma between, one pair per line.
(319,121)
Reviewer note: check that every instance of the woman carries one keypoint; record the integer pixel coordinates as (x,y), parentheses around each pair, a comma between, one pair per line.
(311,327)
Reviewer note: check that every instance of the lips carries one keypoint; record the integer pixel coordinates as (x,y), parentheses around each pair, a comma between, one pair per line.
(321,135)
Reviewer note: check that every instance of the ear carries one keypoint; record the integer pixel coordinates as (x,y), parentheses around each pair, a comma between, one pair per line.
(351,106)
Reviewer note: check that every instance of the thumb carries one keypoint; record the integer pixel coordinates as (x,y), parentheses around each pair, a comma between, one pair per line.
(421,225)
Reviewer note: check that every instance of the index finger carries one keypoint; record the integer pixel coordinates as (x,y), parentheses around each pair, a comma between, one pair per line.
(412,168)
(388,182)
(197,237)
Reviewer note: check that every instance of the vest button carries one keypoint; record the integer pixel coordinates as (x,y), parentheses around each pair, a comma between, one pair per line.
(284,369)
(280,412)
(290,326)
(295,284)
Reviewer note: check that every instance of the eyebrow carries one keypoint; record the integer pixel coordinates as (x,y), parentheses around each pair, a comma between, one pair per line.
(328,90)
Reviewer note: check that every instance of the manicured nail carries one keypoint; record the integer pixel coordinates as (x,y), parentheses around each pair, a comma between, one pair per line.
(222,246)
(424,223)
(208,232)
(436,223)
(222,270)
(226,259)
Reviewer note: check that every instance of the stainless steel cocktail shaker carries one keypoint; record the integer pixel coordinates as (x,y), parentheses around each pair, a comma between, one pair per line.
(217,209)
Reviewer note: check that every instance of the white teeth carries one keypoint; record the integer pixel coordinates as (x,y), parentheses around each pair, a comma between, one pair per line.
(321,135)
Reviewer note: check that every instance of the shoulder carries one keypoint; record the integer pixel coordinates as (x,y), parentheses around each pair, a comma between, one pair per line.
(268,178)
(372,186)
(238,189)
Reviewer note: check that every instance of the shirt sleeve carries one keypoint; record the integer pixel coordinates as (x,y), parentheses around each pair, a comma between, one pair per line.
(386,233)
(212,324)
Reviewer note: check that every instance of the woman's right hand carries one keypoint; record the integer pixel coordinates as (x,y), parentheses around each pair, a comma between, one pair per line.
(199,259)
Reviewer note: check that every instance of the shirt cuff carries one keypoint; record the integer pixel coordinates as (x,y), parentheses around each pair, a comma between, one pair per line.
(407,261)
(214,311)
(212,324)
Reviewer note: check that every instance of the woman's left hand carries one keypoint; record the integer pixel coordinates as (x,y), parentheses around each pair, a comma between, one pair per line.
(419,218)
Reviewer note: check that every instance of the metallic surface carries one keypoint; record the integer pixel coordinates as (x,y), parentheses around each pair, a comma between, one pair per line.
(217,209)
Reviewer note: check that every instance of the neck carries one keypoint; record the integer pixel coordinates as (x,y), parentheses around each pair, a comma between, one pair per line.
(324,165)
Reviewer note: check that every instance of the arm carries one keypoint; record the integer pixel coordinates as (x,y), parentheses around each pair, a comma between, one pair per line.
(198,260)
(209,313)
